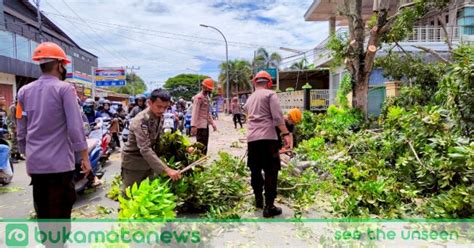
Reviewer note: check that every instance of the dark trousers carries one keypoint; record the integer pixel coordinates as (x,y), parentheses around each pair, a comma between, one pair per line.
(264,155)
(116,138)
(238,118)
(202,136)
(53,198)
(53,195)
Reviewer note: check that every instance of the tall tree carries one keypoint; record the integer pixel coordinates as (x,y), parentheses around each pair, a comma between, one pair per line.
(240,74)
(184,85)
(264,59)
(300,65)
(135,85)
(359,55)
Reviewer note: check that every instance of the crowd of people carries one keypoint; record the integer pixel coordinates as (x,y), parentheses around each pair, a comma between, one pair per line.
(47,126)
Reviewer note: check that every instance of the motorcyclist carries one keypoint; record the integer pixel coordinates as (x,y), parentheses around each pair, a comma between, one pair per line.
(89,110)
(104,112)
(181,105)
(140,102)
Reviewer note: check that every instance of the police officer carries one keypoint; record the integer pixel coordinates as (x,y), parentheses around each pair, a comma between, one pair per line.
(139,160)
(201,117)
(265,113)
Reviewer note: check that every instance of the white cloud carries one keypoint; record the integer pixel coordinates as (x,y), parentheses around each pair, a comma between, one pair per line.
(272,24)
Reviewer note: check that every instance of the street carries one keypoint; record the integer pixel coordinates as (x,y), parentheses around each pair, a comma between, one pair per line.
(16,199)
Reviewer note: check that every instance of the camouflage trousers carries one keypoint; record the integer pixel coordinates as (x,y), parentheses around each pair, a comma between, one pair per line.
(14,143)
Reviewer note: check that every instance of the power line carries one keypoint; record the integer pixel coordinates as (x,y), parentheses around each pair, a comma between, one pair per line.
(73,11)
(189,37)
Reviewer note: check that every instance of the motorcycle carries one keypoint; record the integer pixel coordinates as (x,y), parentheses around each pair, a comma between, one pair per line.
(82,182)
(125,130)
(168,123)
(100,131)
(243,115)
(6,165)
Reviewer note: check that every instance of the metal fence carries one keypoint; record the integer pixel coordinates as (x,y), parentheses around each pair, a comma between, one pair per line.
(319,100)
(289,100)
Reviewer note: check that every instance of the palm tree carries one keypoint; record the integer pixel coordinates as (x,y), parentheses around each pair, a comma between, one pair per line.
(300,65)
(240,74)
(263,59)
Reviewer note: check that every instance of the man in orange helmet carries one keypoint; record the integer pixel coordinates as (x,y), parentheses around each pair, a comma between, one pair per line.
(50,129)
(264,114)
(201,117)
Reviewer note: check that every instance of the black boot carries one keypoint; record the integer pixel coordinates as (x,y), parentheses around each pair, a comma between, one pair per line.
(19,157)
(258,201)
(271,211)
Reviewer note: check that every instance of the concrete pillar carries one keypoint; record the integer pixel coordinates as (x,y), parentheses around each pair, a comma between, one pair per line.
(332,25)
(2,16)
(392,88)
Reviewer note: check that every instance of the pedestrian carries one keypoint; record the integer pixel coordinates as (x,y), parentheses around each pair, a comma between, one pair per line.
(236,112)
(3,117)
(15,155)
(201,117)
(139,160)
(264,113)
(50,130)
(140,106)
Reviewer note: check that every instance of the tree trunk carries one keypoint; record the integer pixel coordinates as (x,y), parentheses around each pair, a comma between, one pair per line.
(360,93)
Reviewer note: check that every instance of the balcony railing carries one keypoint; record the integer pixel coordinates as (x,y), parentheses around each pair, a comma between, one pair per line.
(420,34)
(433,34)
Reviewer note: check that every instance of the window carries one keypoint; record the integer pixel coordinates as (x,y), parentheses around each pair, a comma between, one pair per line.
(23,48)
(466,20)
(7,46)
(70,67)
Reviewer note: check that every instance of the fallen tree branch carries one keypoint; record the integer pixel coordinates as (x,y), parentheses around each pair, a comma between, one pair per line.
(195,163)
(416,156)
(294,187)
(432,52)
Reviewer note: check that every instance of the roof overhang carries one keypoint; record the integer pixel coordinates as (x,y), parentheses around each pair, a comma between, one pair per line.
(322,10)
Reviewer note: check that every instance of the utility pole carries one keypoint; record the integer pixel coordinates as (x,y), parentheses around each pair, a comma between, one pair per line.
(40,24)
(132,74)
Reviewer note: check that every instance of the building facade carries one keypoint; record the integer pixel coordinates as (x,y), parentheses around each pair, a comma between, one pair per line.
(19,36)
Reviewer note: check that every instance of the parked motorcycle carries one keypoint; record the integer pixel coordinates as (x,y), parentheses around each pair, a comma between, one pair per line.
(6,166)
(81,182)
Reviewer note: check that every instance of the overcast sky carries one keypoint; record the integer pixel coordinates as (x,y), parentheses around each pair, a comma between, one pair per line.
(164,38)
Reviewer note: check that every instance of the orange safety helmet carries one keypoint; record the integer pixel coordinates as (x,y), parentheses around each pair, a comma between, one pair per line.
(263,75)
(295,115)
(50,51)
(208,83)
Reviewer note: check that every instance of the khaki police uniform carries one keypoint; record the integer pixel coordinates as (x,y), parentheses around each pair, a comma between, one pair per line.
(139,159)
(201,119)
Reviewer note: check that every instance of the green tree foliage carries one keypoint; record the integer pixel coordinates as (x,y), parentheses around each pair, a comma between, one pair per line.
(240,75)
(359,51)
(345,87)
(184,85)
(300,65)
(135,85)
(418,163)
(264,59)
